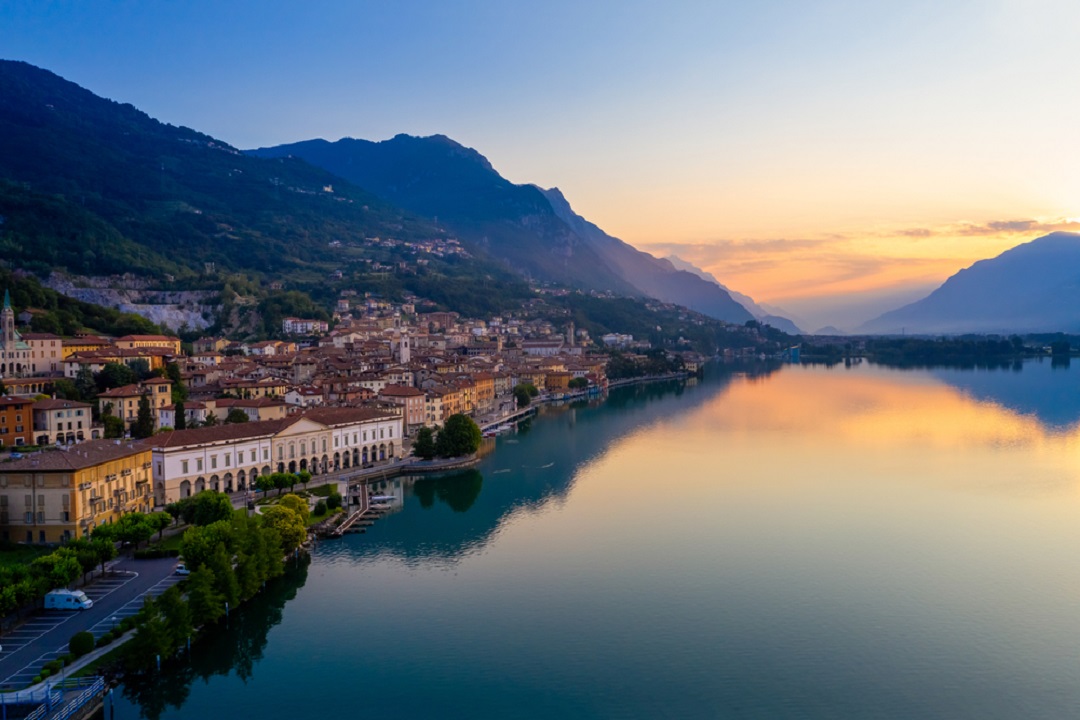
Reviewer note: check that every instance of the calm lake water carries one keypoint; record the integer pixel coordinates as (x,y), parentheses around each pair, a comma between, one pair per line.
(799,542)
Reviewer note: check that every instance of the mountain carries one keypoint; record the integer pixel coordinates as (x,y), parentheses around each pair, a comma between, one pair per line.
(654,277)
(761,313)
(1034,287)
(534,231)
(101,187)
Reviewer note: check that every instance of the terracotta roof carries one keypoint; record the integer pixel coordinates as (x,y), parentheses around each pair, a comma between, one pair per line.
(218,433)
(54,404)
(7,400)
(83,455)
(400,391)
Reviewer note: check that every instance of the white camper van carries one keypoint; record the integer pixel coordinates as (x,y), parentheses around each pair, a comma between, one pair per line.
(67,600)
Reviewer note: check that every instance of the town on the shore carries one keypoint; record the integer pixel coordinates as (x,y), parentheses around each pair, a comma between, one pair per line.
(95,427)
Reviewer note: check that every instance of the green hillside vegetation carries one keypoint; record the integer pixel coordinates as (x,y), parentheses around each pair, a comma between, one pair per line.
(171,188)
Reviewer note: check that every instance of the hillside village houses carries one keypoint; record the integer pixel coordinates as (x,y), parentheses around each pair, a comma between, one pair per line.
(326,400)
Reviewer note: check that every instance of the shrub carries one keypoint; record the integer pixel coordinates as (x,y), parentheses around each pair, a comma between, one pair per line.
(36,680)
(103,640)
(81,643)
(44,673)
(66,659)
(334,501)
(52,667)
(320,507)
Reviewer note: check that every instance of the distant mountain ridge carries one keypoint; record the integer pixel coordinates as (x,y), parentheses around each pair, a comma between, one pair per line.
(1033,287)
(760,312)
(533,230)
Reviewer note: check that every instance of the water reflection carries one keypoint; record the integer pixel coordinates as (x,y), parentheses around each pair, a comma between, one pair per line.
(458,490)
(1044,388)
(532,468)
(233,646)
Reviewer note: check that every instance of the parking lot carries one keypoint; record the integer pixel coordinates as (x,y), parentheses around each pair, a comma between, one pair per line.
(116,596)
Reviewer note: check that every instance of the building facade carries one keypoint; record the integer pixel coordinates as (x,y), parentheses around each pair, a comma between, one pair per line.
(58,495)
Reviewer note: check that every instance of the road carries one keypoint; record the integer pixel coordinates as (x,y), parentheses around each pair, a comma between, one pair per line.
(116,596)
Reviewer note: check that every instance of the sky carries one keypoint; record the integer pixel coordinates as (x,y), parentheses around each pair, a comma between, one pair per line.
(835,159)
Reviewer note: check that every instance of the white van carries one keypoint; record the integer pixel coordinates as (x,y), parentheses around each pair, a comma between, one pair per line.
(67,600)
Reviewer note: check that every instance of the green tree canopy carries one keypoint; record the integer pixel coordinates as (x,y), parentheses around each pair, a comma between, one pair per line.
(459,436)
(424,444)
(143,427)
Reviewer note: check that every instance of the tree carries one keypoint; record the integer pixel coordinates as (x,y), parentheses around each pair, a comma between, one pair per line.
(143,427)
(424,444)
(283,480)
(114,426)
(181,415)
(460,436)
(265,483)
(200,543)
(85,384)
(134,528)
(225,582)
(152,640)
(210,420)
(141,368)
(205,601)
(297,503)
(3,388)
(58,568)
(210,507)
(114,375)
(179,389)
(578,383)
(236,415)
(177,616)
(159,521)
(304,477)
(289,525)
(524,392)
(104,548)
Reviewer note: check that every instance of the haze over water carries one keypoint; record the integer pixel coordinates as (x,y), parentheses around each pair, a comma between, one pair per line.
(809,543)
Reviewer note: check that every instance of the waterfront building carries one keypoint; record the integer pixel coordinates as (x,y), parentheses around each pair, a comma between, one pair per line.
(15,360)
(57,495)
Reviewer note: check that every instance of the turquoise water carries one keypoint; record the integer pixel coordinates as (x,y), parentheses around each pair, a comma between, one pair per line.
(801,542)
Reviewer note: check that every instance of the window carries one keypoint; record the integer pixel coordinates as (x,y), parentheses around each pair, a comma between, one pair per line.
(252,456)
(213,462)
(266,453)
(228,460)
(184,466)
(198,464)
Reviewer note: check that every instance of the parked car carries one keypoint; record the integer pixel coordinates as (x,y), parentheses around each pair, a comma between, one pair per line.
(182,569)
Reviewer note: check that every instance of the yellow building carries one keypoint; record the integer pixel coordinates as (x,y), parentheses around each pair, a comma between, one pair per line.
(132,342)
(125,399)
(54,496)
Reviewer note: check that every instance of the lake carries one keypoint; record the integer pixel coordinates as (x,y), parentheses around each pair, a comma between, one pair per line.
(789,542)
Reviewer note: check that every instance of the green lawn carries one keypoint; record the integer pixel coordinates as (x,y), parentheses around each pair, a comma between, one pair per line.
(314,519)
(172,542)
(13,554)
(323,490)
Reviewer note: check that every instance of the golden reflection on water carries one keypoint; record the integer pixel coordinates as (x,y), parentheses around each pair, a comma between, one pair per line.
(866,422)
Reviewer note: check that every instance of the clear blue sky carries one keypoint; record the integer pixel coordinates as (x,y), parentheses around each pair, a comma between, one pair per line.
(801,151)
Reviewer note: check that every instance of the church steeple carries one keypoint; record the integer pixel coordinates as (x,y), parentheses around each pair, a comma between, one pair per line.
(7,323)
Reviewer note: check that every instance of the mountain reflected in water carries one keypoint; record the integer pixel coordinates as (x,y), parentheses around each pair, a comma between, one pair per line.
(1042,388)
